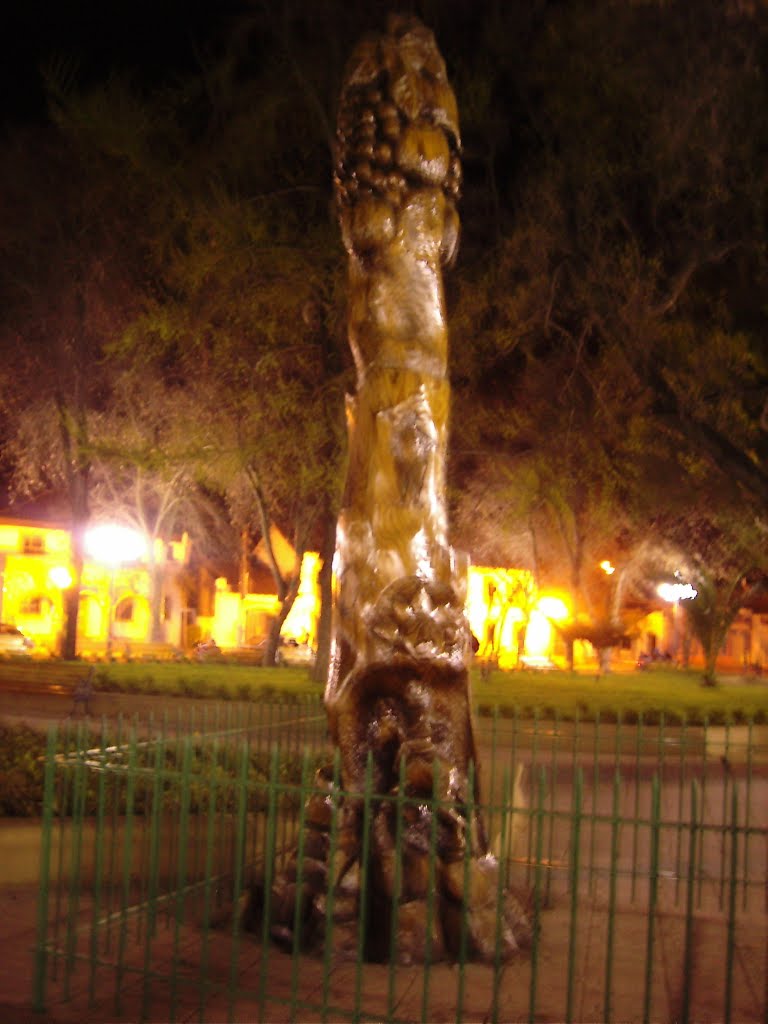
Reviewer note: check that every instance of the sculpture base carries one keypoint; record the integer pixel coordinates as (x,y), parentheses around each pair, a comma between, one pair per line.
(405,830)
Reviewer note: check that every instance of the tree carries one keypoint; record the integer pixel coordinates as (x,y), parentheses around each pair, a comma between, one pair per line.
(243,310)
(609,338)
(720,552)
(68,288)
(146,455)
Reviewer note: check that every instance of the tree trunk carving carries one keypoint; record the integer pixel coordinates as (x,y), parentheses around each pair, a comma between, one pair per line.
(398,686)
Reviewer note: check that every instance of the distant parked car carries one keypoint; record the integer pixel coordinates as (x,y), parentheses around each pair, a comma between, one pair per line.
(13,642)
(291,652)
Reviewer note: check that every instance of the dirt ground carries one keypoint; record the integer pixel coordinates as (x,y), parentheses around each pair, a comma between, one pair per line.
(184,974)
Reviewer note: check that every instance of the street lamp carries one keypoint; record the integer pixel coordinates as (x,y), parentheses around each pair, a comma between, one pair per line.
(674,593)
(113,545)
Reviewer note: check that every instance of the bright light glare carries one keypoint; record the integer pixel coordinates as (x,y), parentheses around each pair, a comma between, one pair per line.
(676,592)
(607,568)
(112,544)
(60,577)
(553,608)
(538,636)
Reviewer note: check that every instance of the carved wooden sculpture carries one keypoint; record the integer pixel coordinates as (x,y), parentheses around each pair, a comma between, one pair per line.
(399,683)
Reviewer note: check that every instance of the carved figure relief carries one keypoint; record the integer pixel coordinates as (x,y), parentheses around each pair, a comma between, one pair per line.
(399,683)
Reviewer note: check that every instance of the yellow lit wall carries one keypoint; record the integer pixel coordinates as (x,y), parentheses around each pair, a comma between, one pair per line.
(36,562)
(497,607)
(243,621)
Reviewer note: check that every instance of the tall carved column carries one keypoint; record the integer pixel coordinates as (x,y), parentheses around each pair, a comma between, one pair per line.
(399,683)
(398,689)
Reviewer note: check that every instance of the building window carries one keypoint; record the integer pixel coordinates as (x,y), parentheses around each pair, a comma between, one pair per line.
(35,606)
(33,544)
(124,610)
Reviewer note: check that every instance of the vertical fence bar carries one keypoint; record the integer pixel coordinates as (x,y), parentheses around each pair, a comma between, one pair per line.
(397,885)
(298,910)
(682,765)
(506,801)
(330,896)
(362,924)
(595,789)
(731,926)
(636,825)
(552,800)
(63,801)
(269,869)
(612,886)
(237,882)
(98,876)
(431,886)
(653,888)
(661,745)
(153,883)
(685,1002)
(41,940)
(617,744)
(79,777)
(125,886)
(492,780)
(181,870)
(538,817)
(574,886)
(701,831)
(470,811)
(747,812)
(726,775)
(533,766)
(212,800)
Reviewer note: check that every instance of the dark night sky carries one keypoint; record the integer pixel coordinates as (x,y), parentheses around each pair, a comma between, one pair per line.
(98,36)
(151,36)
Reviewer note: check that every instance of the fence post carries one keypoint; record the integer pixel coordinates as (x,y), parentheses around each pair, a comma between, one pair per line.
(125,887)
(463,932)
(653,888)
(733,883)
(270,843)
(397,885)
(537,898)
(41,943)
(578,785)
(330,889)
(613,879)
(685,1008)
(365,855)
(237,882)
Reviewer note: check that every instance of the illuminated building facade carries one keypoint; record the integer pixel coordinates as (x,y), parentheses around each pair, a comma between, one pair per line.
(115,598)
(514,624)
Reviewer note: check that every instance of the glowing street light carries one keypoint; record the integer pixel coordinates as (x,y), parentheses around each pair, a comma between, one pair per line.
(113,545)
(60,577)
(553,607)
(674,592)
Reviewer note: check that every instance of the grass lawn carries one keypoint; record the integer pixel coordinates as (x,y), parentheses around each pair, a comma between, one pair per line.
(673,693)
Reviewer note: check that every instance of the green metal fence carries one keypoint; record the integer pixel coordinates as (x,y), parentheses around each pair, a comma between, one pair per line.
(641,850)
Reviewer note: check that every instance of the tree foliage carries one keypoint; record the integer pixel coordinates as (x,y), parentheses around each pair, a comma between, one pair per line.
(607,311)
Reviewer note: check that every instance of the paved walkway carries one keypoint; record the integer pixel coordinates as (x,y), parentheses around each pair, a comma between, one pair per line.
(290,986)
(583,939)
